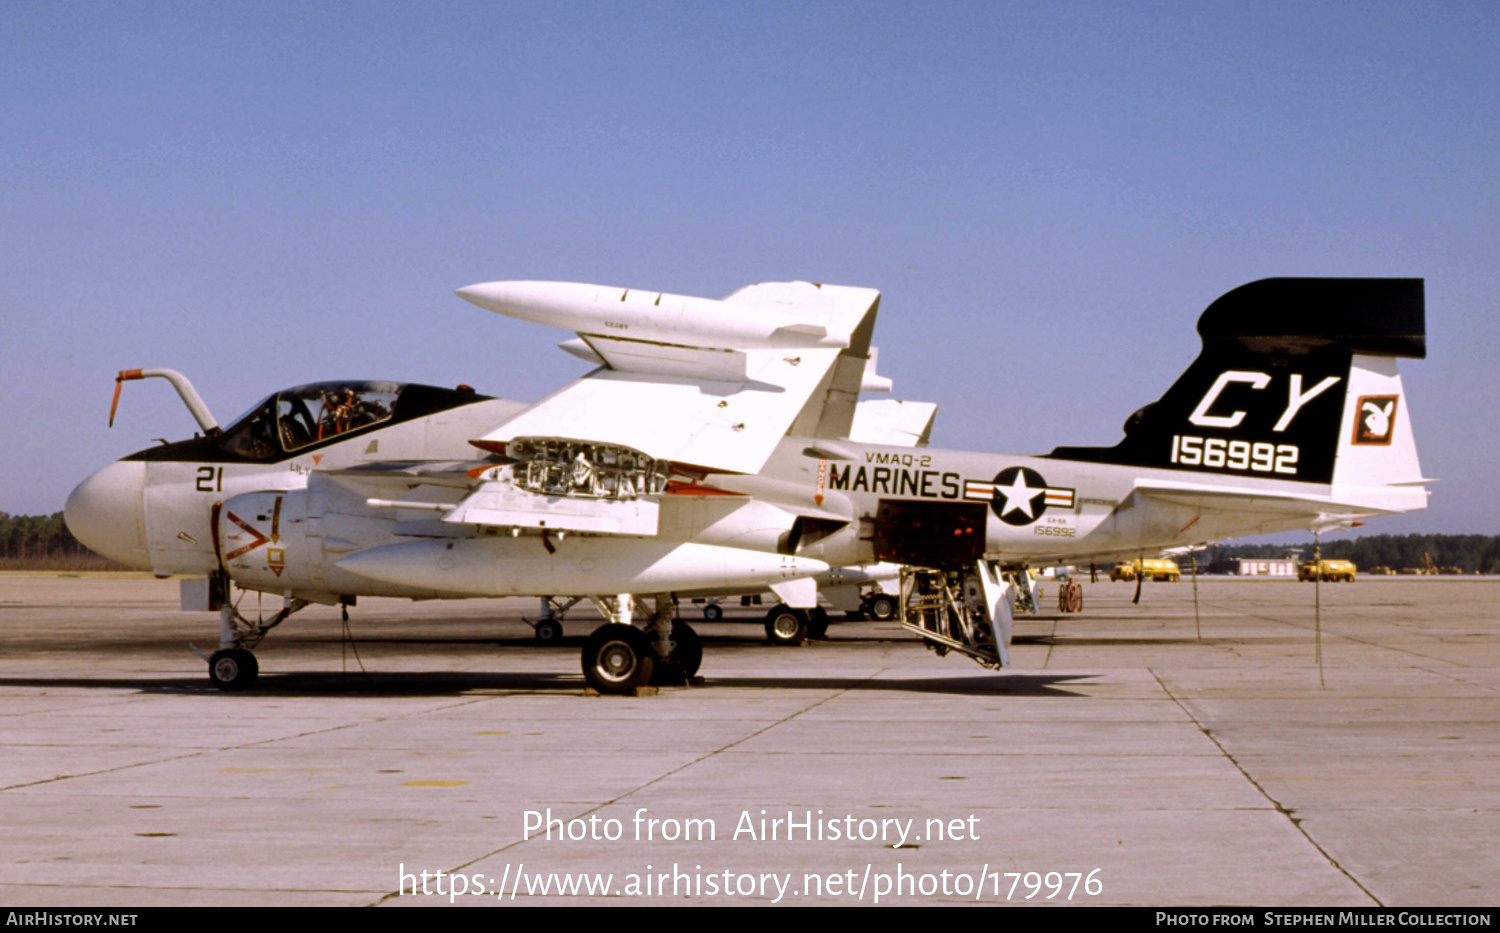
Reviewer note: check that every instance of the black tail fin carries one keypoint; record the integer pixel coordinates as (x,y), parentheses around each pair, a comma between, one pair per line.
(1267,396)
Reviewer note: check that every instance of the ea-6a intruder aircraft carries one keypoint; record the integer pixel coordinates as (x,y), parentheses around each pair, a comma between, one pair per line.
(710,451)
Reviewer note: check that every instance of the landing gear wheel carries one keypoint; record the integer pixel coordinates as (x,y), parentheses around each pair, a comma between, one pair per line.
(786,626)
(233,669)
(549,631)
(617,659)
(687,657)
(882,607)
(817,624)
(713,612)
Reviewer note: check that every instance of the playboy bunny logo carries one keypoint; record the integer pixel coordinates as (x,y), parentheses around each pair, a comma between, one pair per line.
(1376,419)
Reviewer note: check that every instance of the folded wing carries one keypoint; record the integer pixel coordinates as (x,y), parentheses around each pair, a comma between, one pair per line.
(708,385)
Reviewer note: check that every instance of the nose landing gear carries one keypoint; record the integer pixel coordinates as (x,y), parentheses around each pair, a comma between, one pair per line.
(233,666)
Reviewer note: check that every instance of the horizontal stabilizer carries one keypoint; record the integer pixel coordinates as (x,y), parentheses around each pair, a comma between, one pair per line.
(1273,506)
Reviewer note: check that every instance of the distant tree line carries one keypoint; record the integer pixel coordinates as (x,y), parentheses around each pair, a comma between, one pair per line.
(1469,553)
(43,542)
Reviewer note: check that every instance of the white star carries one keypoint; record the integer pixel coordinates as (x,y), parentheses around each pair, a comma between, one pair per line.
(1018,495)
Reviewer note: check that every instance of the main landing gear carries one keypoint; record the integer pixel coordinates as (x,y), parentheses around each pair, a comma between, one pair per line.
(618,657)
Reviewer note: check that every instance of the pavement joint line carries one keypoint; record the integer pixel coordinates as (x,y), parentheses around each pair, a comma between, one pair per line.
(664,775)
(1296,824)
(135,764)
(1452,676)
(229,748)
(1358,641)
(43,711)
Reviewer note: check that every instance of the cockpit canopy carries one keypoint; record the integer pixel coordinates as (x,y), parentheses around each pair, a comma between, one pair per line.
(302,416)
(306,417)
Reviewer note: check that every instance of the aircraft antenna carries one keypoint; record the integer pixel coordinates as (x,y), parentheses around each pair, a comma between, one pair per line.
(1318,606)
(1193,556)
(347,643)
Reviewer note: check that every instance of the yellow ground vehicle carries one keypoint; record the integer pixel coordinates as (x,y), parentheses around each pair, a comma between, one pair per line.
(1331,571)
(1160,570)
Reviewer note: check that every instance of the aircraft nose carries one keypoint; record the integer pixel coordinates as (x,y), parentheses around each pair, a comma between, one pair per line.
(107,513)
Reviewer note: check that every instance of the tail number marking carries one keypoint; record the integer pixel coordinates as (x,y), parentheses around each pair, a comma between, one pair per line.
(1296,398)
(1218,453)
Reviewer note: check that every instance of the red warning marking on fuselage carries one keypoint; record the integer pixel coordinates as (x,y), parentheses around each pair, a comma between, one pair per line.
(257,539)
(675,488)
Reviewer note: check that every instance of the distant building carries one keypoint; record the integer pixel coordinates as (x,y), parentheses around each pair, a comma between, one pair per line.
(1256,567)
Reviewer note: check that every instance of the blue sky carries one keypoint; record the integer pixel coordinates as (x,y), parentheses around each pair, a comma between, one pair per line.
(1048,195)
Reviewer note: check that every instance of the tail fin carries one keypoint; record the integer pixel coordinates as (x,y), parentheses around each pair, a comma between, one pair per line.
(1296,381)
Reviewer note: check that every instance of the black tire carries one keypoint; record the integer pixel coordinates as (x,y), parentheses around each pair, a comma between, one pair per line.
(617,659)
(817,624)
(233,669)
(882,607)
(786,626)
(687,657)
(549,631)
(713,612)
